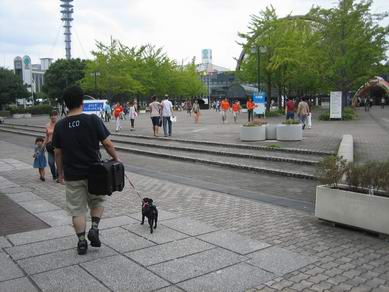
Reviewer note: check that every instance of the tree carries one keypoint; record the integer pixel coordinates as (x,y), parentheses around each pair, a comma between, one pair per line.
(62,73)
(11,87)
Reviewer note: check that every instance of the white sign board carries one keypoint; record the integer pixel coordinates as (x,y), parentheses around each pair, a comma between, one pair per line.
(93,106)
(335,105)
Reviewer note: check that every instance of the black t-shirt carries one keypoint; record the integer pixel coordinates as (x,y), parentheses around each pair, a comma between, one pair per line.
(79,139)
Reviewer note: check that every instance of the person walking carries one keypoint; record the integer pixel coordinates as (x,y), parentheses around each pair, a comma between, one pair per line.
(290,108)
(196,111)
(189,107)
(236,110)
(167,114)
(76,140)
(117,113)
(49,144)
(107,112)
(383,102)
(225,106)
(366,104)
(39,157)
(250,105)
(155,115)
(303,111)
(132,114)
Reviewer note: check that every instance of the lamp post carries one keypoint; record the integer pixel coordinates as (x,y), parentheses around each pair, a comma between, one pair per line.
(95,74)
(258,49)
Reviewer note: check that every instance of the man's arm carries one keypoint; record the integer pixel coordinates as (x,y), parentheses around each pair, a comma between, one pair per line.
(108,145)
(58,162)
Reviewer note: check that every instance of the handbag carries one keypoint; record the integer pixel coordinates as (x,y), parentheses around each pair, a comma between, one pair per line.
(173,119)
(160,122)
(50,147)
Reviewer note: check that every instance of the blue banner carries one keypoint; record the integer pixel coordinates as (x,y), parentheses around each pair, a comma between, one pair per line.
(259,101)
(93,106)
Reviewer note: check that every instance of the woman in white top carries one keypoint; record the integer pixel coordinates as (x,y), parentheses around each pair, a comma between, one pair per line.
(155,114)
(132,115)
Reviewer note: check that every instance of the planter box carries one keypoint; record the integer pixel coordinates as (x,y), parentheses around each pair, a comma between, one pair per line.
(352,208)
(18,116)
(289,132)
(257,133)
(27,116)
(271,132)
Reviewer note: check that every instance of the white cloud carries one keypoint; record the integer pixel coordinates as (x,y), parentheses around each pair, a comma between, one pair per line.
(183,28)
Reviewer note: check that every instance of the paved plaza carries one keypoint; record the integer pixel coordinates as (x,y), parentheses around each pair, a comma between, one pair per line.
(206,240)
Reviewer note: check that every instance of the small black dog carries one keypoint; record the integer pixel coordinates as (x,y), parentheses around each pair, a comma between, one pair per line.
(150,211)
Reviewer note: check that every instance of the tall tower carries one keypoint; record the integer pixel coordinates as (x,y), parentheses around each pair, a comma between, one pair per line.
(67,11)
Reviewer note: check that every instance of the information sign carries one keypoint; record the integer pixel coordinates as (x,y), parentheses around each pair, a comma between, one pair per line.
(335,105)
(259,101)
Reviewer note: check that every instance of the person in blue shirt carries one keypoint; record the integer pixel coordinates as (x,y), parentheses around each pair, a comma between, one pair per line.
(107,112)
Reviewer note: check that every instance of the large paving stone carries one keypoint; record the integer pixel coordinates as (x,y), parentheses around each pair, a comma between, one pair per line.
(8,269)
(23,196)
(4,242)
(38,206)
(61,259)
(189,226)
(14,190)
(236,278)
(169,251)
(106,223)
(122,240)
(121,274)
(170,289)
(40,235)
(279,260)
(71,278)
(55,218)
(42,247)
(233,241)
(160,235)
(196,265)
(17,285)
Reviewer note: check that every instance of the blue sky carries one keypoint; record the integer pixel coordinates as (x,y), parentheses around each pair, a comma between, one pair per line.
(181,27)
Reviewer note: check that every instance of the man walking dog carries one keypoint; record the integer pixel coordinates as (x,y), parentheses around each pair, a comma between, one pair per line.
(76,141)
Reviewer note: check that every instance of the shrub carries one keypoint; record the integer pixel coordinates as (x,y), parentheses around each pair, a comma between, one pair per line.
(348,114)
(353,176)
(331,170)
(290,122)
(255,123)
(276,113)
(34,110)
(324,116)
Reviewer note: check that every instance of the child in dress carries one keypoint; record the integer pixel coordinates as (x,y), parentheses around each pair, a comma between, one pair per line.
(39,157)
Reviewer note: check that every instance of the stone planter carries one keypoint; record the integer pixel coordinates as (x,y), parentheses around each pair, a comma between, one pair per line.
(27,116)
(18,116)
(352,208)
(271,132)
(257,133)
(289,132)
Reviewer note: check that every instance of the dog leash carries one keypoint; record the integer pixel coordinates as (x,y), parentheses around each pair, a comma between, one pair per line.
(133,186)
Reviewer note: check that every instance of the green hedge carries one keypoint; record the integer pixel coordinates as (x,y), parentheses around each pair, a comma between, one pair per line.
(5,113)
(348,114)
(34,110)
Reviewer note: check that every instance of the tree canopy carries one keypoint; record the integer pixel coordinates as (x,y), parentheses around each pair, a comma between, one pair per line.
(327,49)
(138,71)
(11,87)
(62,73)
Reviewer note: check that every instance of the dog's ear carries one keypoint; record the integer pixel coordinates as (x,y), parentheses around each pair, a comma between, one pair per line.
(150,201)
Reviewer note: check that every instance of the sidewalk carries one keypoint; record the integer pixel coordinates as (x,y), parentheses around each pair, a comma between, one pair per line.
(206,241)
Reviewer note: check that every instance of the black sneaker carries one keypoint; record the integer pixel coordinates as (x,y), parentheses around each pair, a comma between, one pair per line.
(93,236)
(82,247)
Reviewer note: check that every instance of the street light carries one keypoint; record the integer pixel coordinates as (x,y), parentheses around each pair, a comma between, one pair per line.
(95,74)
(258,49)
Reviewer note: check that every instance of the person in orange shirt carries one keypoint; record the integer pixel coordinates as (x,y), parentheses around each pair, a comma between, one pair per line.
(117,111)
(250,109)
(225,106)
(235,110)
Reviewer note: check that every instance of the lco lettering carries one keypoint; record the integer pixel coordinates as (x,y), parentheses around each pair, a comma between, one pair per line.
(74,124)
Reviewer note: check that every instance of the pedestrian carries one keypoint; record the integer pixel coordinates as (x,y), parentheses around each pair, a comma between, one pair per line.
(225,106)
(155,115)
(250,105)
(76,140)
(189,107)
(290,108)
(63,110)
(167,114)
(371,102)
(49,144)
(366,104)
(196,111)
(383,102)
(132,114)
(218,105)
(126,111)
(236,110)
(117,113)
(303,111)
(107,112)
(39,157)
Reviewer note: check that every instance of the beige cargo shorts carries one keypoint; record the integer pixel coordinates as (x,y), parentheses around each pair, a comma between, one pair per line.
(78,197)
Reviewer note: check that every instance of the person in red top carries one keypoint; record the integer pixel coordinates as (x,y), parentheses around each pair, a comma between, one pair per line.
(235,110)
(250,109)
(117,112)
(225,106)
(290,108)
